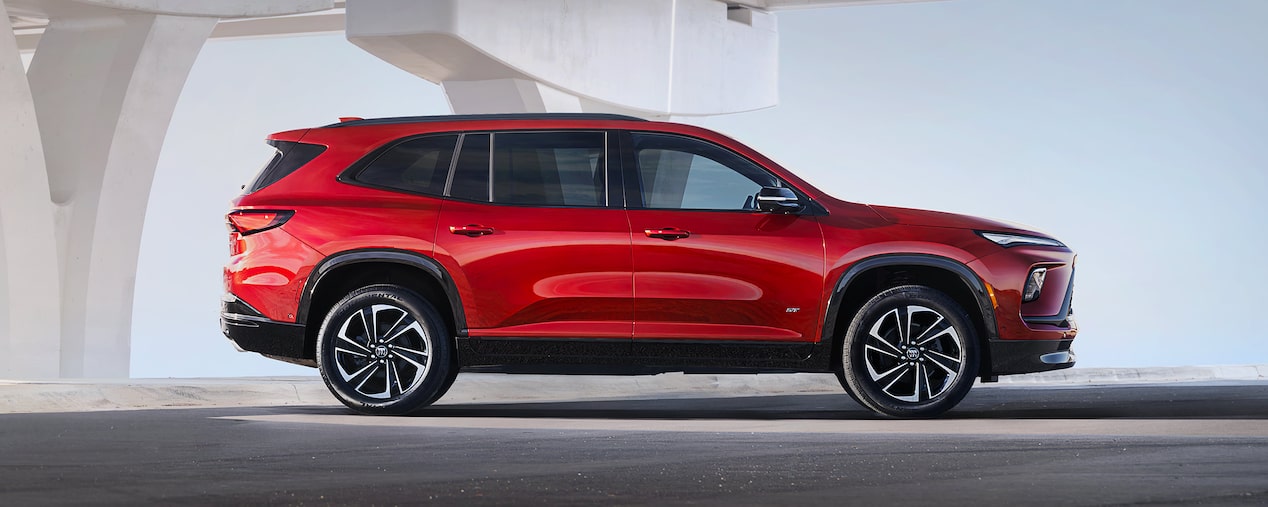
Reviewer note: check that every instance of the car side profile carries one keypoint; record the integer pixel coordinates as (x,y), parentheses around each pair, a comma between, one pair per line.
(392,253)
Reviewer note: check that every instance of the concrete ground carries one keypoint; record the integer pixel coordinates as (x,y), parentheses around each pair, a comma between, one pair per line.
(119,394)
(663,440)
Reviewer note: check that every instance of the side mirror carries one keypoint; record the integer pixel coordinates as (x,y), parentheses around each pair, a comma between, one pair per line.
(778,200)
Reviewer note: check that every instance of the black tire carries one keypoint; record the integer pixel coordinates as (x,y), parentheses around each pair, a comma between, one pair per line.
(890,371)
(444,388)
(400,367)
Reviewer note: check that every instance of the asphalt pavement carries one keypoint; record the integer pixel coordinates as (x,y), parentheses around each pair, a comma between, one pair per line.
(1157,444)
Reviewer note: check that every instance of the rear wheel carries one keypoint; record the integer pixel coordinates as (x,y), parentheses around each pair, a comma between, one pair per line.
(384,349)
(911,351)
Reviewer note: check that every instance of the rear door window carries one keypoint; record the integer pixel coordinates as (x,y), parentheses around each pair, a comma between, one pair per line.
(549,168)
(471,173)
(557,169)
(532,168)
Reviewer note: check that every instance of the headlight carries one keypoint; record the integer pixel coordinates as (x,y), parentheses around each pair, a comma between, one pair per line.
(1007,240)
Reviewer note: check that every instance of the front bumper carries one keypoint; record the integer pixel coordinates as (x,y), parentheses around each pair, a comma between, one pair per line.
(1010,357)
(252,332)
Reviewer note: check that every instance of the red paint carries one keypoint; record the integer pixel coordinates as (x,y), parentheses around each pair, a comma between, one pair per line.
(736,276)
(610,272)
(269,270)
(540,265)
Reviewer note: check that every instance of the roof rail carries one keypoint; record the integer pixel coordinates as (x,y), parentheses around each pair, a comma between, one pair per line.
(477,117)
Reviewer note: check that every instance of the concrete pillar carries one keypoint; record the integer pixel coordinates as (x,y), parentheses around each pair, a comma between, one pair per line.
(30,326)
(106,75)
(104,88)
(74,185)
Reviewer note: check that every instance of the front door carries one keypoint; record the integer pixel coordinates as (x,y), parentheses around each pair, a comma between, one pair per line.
(707,264)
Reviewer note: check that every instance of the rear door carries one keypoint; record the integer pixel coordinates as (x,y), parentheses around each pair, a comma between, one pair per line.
(532,241)
(708,266)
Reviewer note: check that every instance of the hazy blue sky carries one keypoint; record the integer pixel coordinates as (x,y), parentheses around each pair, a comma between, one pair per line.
(1135,131)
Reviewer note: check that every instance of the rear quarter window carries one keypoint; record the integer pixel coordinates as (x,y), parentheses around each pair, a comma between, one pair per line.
(290,156)
(419,165)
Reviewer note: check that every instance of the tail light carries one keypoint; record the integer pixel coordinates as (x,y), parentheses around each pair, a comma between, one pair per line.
(247,222)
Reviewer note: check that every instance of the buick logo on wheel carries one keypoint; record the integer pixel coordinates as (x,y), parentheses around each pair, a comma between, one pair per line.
(380,351)
(913,353)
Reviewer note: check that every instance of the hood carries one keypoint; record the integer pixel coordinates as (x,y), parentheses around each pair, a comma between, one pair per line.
(926,218)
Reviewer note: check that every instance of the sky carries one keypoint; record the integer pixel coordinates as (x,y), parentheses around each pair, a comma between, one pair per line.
(1133,131)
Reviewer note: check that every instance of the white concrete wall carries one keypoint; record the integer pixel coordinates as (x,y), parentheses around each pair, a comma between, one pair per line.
(511,95)
(738,70)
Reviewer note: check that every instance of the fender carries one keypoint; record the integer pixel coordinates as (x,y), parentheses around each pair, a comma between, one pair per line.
(985,308)
(403,257)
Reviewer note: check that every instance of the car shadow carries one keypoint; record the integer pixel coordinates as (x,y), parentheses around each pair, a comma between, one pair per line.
(1157,401)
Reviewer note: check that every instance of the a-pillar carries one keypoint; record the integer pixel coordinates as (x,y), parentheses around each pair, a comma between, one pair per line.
(104,88)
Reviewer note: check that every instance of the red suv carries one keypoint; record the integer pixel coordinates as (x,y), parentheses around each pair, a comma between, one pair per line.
(392,253)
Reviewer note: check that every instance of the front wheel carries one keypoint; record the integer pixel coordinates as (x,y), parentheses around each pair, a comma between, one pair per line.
(910,351)
(383,349)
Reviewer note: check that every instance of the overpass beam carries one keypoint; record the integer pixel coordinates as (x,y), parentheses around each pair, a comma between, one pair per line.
(651,58)
(508,95)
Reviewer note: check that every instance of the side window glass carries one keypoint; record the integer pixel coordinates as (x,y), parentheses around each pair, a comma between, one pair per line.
(418,165)
(683,173)
(289,157)
(471,174)
(549,168)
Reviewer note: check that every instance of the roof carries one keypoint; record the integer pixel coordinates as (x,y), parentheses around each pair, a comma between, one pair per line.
(480,117)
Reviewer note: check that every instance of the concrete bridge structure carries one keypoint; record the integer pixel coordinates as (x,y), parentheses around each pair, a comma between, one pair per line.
(81,128)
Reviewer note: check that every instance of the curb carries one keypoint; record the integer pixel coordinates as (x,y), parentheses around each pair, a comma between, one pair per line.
(132,394)
(95,395)
(1141,375)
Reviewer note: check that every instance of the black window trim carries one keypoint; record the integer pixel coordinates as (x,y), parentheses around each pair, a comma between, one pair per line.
(453,164)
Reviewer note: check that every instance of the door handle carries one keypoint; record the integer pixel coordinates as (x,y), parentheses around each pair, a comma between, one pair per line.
(667,234)
(471,230)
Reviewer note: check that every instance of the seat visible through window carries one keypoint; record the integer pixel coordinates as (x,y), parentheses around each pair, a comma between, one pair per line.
(549,168)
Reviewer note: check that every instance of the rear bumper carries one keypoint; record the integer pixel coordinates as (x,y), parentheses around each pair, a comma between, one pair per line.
(252,332)
(1010,357)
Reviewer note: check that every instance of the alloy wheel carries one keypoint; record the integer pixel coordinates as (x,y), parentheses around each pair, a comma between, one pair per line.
(913,354)
(382,351)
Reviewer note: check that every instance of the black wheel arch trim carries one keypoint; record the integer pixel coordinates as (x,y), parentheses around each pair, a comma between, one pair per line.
(385,255)
(977,287)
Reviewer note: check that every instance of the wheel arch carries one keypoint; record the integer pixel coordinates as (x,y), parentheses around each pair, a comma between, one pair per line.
(870,276)
(338,274)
